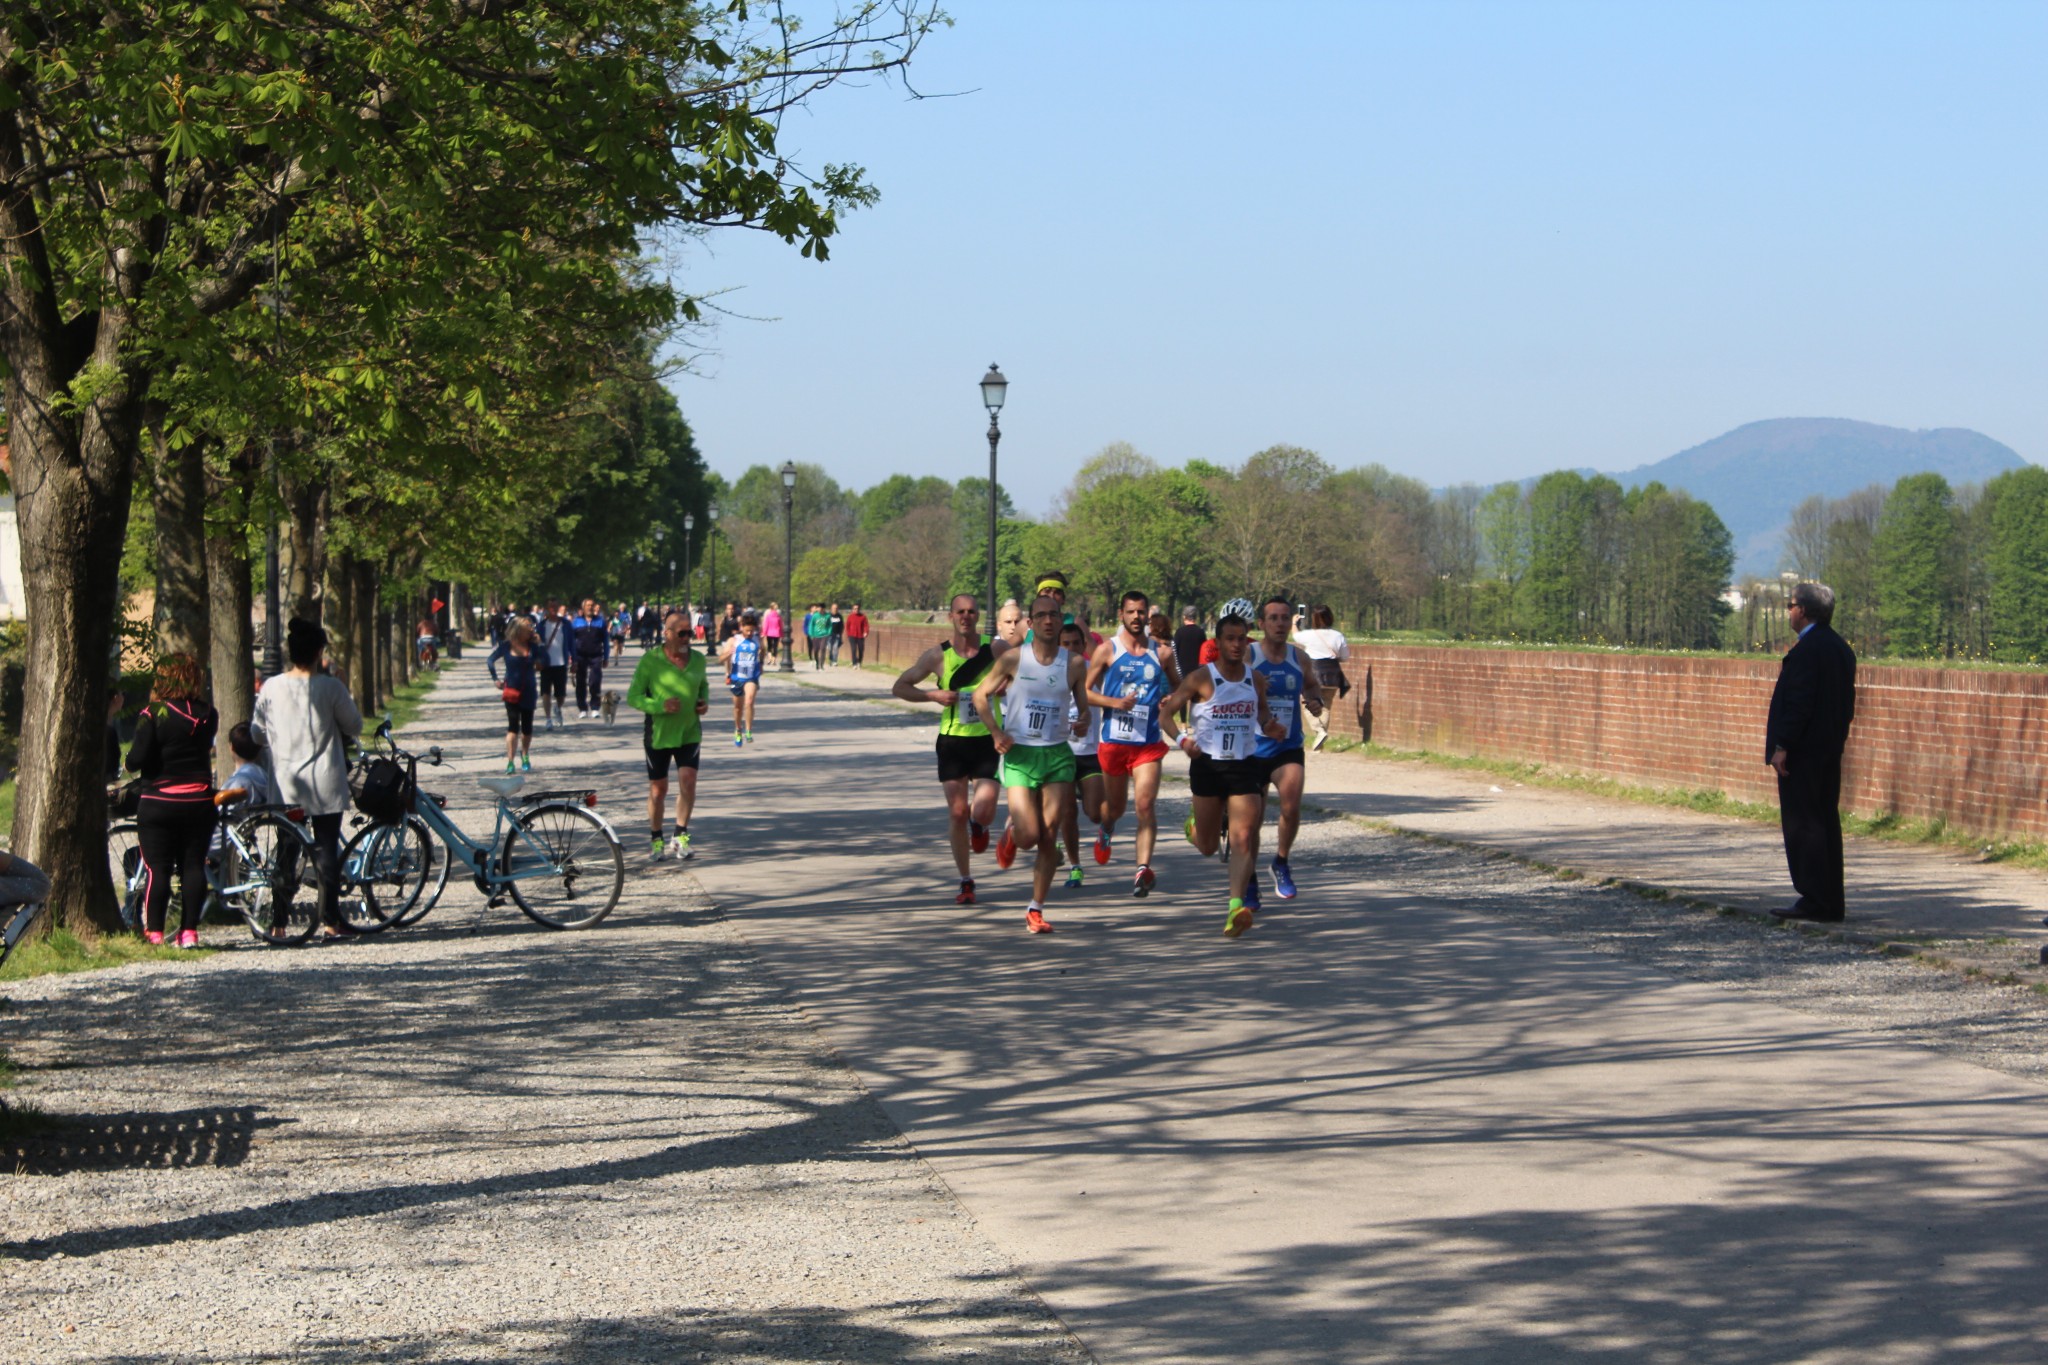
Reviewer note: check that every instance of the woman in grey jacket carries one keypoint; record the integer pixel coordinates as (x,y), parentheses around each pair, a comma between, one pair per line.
(306,719)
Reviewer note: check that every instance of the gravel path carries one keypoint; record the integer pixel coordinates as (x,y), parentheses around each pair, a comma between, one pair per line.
(480,1140)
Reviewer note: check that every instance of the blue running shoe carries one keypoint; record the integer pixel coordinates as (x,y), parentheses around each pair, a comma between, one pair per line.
(1251,895)
(1283,880)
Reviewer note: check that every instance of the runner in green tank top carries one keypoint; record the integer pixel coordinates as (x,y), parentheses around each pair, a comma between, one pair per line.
(966,750)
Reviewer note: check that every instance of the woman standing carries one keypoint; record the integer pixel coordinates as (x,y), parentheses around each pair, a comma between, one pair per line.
(307,718)
(173,754)
(520,688)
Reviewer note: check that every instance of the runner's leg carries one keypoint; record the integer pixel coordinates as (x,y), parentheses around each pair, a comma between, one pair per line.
(753,691)
(1208,812)
(1146,779)
(686,796)
(1055,805)
(958,805)
(1245,814)
(1288,782)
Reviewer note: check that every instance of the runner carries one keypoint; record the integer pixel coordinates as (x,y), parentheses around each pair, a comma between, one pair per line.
(553,634)
(668,685)
(1290,687)
(966,750)
(1041,685)
(742,659)
(590,636)
(1127,676)
(1010,627)
(1088,783)
(1229,712)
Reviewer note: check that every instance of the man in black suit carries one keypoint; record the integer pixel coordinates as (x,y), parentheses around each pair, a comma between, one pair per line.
(1811,708)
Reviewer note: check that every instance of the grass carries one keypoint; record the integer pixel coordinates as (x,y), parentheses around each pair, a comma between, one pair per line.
(406,698)
(60,950)
(6,807)
(1925,833)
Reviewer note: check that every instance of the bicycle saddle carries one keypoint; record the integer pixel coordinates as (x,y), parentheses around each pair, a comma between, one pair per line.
(501,786)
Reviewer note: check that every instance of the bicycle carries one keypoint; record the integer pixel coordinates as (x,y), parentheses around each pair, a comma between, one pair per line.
(402,867)
(551,852)
(256,872)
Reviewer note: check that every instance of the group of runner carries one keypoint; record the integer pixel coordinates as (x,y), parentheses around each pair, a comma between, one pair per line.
(1070,726)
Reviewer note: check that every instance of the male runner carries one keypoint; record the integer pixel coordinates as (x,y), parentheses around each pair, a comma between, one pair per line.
(1228,712)
(966,750)
(1040,686)
(741,656)
(1290,685)
(1127,676)
(668,685)
(1088,784)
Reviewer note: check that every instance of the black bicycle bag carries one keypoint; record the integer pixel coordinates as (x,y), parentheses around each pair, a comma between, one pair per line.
(387,793)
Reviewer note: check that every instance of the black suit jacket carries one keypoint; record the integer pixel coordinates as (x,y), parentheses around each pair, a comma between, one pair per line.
(1815,699)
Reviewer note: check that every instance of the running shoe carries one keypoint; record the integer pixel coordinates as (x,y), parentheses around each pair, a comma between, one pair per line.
(738,739)
(188,938)
(1251,894)
(679,847)
(750,736)
(1034,922)
(977,837)
(510,766)
(657,847)
(966,896)
(1283,880)
(1142,884)
(525,763)
(1101,848)
(1006,849)
(1238,920)
(1074,877)
(156,940)
(1322,738)
(1188,829)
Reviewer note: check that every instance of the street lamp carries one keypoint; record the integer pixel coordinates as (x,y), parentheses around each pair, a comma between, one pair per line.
(671,575)
(689,525)
(711,538)
(993,388)
(788,564)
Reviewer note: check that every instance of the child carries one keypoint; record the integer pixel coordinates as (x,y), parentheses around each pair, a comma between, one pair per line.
(249,784)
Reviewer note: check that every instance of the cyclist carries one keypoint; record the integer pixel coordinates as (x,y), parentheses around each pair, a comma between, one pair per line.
(668,686)
(428,645)
(741,656)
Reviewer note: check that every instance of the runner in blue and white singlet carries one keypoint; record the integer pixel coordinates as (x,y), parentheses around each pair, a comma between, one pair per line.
(1128,676)
(741,655)
(1290,686)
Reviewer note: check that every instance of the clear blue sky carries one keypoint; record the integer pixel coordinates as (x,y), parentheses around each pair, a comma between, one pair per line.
(1471,241)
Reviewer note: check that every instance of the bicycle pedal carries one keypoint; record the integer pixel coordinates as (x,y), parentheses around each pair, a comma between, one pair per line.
(495,903)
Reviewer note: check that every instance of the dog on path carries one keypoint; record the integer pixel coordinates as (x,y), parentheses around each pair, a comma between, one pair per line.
(609,707)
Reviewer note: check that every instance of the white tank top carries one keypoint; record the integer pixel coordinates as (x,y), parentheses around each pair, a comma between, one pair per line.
(1227,725)
(1089,739)
(1036,703)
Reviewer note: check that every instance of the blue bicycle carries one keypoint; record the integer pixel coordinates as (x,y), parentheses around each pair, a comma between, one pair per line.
(550,851)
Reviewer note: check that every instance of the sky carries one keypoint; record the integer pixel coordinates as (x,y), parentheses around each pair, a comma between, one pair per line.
(1469,241)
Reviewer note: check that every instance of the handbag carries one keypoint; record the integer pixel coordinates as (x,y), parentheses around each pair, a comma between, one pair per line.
(386,795)
(513,696)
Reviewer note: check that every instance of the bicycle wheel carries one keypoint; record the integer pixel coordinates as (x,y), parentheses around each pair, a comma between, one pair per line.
(124,863)
(267,873)
(390,868)
(435,881)
(568,863)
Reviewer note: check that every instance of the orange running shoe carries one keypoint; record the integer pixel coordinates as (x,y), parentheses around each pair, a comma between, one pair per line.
(1034,922)
(1238,920)
(1006,849)
(966,896)
(977,837)
(1101,848)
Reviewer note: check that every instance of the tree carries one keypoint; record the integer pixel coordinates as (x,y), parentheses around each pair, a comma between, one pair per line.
(1268,538)
(1504,545)
(836,573)
(1024,549)
(914,556)
(2018,564)
(151,165)
(897,496)
(1915,546)
(1151,531)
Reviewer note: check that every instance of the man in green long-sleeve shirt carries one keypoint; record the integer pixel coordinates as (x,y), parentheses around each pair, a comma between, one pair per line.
(669,687)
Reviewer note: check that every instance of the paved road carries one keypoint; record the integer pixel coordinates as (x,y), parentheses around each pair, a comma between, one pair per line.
(1381,1127)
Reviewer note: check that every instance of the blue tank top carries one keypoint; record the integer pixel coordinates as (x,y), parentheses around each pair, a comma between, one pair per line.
(1132,675)
(1283,699)
(746,660)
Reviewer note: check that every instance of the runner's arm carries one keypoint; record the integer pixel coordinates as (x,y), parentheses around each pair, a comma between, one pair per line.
(907,689)
(636,690)
(1077,680)
(1311,686)
(1098,664)
(1190,690)
(985,693)
(1269,724)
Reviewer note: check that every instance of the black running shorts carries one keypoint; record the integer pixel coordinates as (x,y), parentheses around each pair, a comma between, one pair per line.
(1087,766)
(1280,760)
(683,756)
(967,756)
(1211,777)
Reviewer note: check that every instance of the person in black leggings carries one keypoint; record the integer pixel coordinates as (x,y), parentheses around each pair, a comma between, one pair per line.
(306,718)
(521,677)
(173,754)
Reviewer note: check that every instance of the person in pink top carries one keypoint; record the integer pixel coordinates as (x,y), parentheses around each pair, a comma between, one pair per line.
(771,628)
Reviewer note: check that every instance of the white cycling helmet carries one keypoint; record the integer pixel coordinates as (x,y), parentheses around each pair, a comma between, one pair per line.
(1240,607)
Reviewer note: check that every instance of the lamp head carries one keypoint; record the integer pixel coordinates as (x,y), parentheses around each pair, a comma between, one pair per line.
(789,473)
(689,521)
(993,388)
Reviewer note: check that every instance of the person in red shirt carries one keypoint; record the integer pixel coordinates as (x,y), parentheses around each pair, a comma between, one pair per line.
(857,633)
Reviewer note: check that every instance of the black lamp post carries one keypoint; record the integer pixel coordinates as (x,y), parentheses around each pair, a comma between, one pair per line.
(711,539)
(689,525)
(993,388)
(788,564)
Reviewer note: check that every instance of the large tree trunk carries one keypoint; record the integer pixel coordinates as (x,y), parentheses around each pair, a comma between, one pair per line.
(72,478)
(362,674)
(387,649)
(306,505)
(230,591)
(178,479)
(337,611)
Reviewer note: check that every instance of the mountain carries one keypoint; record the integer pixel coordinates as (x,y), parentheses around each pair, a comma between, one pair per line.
(1756,474)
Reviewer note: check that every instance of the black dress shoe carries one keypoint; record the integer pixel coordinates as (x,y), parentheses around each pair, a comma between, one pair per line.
(1807,912)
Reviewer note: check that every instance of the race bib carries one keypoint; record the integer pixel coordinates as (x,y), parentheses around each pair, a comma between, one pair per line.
(1039,719)
(1283,711)
(963,709)
(1231,738)
(1130,727)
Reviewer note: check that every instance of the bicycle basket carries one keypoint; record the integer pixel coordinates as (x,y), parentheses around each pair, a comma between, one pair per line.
(387,791)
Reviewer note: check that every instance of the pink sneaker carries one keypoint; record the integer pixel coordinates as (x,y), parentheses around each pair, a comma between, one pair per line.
(156,940)
(188,938)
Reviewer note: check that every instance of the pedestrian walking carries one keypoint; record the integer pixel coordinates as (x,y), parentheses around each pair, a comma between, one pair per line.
(771,629)
(835,633)
(857,634)
(1812,707)
(173,755)
(817,626)
(519,688)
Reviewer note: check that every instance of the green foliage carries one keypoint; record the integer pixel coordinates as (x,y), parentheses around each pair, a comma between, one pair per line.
(1915,549)
(837,573)
(897,496)
(1024,549)
(2018,564)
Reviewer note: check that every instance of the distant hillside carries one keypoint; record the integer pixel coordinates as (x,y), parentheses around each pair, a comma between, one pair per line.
(1756,474)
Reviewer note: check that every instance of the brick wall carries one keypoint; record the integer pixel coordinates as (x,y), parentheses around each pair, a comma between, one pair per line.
(1958,745)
